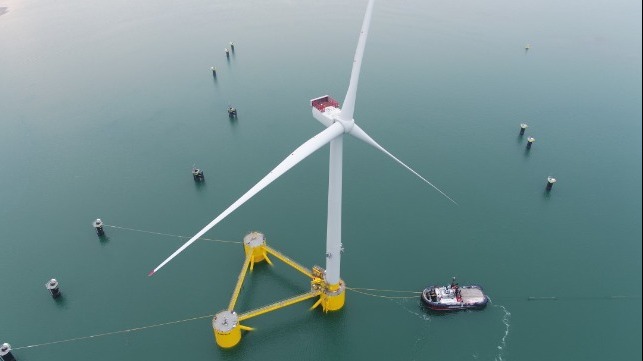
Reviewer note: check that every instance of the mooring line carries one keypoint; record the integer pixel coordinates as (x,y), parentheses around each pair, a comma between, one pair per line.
(381,290)
(113,332)
(380,296)
(168,234)
(563,298)
(529,298)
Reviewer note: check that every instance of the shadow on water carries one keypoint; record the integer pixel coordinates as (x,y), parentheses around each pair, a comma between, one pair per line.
(547,193)
(61,301)
(264,272)
(450,313)
(103,240)
(519,138)
(234,122)
(200,185)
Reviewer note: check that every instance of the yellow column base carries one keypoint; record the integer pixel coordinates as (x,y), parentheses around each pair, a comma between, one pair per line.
(258,253)
(227,331)
(227,340)
(334,297)
(254,244)
(334,303)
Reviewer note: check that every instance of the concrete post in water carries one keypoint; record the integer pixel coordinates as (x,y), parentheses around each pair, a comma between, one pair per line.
(198,175)
(98,224)
(550,182)
(53,288)
(530,141)
(523,127)
(5,353)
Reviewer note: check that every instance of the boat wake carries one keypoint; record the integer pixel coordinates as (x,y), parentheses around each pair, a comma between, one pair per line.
(416,311)
(417,351)
(503,341)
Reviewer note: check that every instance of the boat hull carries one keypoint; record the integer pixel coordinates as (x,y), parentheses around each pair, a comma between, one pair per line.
(445,299)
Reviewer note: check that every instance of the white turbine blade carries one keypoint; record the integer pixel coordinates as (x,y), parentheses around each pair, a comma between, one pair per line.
(295,157)
(349,102)
(358,133)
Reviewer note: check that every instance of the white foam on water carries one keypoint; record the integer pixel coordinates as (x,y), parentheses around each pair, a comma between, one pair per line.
(421,315)
(503,341)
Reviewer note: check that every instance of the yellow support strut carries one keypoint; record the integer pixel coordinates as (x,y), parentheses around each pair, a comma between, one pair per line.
(289,261)
(278,305)
(242,276)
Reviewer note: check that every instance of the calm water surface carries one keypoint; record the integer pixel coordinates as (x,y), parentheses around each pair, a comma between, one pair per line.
(105,107)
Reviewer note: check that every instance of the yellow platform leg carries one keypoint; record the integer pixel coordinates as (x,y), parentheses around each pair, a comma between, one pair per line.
(334,297)
(227,330)
(254,244)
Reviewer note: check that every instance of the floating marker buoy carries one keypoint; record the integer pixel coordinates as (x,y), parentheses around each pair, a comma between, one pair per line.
(53,288)
(527,47)
(198,174)
(227,52)
(232,46)
(5,353)
(550,182)
(530,141)
(523,127)
(232,112)
(214,71)
(98,224)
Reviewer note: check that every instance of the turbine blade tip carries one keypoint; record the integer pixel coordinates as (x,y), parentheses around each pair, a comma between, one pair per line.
(151,273)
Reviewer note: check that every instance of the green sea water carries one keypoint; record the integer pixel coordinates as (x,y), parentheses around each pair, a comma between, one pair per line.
(106,106)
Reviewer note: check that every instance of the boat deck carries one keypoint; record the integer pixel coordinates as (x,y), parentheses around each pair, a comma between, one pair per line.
(471,295)
(447,296)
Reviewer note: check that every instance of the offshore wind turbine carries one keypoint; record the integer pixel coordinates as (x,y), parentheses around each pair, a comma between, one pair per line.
(338,121)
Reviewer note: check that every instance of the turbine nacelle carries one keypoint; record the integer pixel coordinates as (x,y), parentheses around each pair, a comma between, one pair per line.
(327,111)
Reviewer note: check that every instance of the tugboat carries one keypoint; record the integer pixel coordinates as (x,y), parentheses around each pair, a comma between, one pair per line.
(454,297)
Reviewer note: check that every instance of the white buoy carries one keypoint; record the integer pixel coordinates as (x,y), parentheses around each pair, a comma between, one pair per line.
(98,225)
(530,141)
(5,353)
(53,288)
(227,52)
(214,71)
(550,182)
(198,174)
(523,127)
(232,111)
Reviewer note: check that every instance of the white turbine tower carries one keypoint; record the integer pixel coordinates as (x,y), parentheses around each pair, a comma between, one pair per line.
(338,121)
